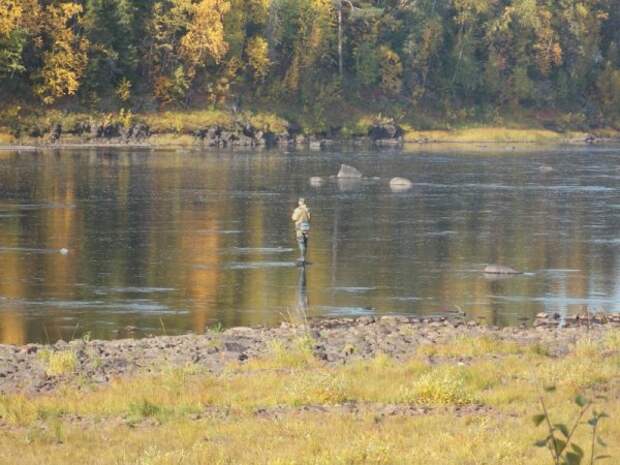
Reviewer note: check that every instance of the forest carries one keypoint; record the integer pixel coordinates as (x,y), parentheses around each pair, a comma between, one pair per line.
(452,59)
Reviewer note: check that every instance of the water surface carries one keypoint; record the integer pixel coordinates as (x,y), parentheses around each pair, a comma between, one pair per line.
(172,242)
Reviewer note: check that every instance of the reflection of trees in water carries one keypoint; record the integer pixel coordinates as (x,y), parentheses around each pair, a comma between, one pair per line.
(528,229)
(153,221)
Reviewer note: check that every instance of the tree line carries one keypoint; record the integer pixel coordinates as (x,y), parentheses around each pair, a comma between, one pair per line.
(445,55)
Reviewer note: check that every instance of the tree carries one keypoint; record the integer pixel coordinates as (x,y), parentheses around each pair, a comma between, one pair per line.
(65,57)
(204,39)
(258,57)
(109,26)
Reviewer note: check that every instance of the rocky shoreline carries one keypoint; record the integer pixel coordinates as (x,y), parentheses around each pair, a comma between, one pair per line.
(239,134)
(30,368)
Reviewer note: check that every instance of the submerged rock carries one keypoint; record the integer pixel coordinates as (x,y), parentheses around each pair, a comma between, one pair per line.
(545,169)
(349,172)
(400,184)
(316,181)
(348,184)
(500,269)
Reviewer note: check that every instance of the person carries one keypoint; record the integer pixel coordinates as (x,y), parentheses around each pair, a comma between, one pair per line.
(301,218)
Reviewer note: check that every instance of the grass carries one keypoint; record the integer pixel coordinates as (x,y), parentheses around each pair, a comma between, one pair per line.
(5,138)
(188,416)
(492,135)
(58,362)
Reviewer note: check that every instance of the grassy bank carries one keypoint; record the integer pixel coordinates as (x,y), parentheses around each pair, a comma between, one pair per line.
(177,128)
(469,401)
(494,135)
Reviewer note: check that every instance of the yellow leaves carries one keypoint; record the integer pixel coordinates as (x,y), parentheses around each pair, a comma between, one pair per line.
(10,16)
(258,10)
(581,10)
(168,89)
(256,51)
(205,34)
(123,90)
(391,70)
(65,62)
(547,47)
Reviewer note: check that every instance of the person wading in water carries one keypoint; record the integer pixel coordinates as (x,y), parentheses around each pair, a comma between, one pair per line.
(301,218)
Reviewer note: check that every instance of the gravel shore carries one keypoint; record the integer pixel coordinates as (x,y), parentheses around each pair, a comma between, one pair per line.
(28,368)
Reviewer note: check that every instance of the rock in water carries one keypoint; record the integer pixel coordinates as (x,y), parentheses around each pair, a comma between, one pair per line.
(348,184)
(348,172)
(545,169)
(500,269)
(316,181)
(63,251)
(400,184)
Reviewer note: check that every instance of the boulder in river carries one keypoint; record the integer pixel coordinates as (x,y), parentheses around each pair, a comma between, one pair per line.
(545,169)
(500,269)
(385,131)
(316,181)
(400,184)
(348,172)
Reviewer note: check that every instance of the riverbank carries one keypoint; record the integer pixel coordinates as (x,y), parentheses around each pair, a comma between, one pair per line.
(37,368)
(214,129)
(365,391)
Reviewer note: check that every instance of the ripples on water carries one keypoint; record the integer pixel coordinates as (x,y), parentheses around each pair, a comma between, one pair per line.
(176,242)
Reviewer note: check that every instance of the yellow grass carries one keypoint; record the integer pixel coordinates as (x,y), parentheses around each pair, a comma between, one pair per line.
(5,138)
(492,135)
(58,362)
(187,416)
(183,122)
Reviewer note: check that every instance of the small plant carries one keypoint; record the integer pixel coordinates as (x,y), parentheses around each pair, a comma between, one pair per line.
(217,327)
(58,363)
(143,409)
(560,438)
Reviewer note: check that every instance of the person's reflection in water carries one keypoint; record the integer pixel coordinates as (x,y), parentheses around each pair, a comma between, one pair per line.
(301,307)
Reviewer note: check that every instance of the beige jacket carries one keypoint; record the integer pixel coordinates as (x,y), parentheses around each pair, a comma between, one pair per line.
(301,215)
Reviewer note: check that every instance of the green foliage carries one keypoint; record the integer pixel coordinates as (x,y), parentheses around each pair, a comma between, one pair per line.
(560,438)
(143,409)
(109,25)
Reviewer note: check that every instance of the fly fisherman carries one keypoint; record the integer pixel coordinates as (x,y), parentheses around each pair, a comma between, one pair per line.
(301,218)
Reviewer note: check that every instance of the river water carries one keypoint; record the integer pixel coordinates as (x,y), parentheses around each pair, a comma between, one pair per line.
(170,242)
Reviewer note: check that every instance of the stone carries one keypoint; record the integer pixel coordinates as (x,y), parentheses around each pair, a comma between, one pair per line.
(316,181)
(384,131)
(348,172)
(400,184)
(500,269)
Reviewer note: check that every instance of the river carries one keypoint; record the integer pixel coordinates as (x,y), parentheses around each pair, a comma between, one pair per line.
(110,243)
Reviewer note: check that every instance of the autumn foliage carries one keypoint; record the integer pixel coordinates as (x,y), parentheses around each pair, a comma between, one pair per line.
(445,55)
